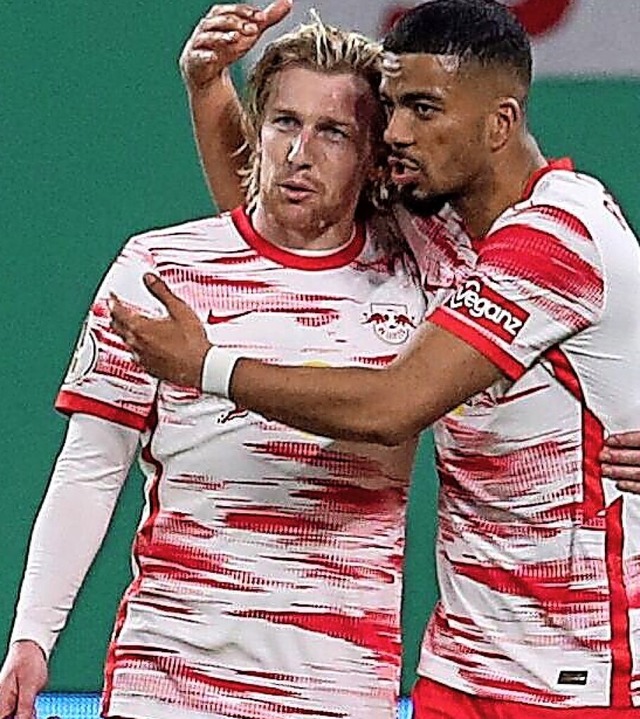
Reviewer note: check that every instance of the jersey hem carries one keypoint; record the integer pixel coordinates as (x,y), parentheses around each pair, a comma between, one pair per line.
(436,670)
(147,709)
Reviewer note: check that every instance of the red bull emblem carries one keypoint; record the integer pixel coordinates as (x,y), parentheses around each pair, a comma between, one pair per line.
(391,323)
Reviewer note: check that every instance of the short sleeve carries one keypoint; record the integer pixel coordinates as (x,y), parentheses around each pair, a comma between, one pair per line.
(103,378)
(538,282)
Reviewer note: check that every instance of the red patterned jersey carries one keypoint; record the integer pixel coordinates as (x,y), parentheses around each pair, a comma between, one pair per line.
(267,560)
(538,554)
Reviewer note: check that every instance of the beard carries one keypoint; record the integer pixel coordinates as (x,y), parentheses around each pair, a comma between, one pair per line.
(419,202)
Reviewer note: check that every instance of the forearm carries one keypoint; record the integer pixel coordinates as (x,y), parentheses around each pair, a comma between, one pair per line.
(71,524)
(356,404)
(216,114)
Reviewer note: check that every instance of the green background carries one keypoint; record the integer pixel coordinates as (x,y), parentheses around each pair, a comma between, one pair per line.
(96,145)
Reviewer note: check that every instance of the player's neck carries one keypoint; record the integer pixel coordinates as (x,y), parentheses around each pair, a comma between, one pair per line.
(319,236)
(504,187)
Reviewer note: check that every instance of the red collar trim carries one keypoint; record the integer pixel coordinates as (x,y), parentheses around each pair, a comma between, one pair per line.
(342,257)
(563,163)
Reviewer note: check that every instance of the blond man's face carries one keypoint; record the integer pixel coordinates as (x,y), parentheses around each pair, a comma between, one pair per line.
(315,147)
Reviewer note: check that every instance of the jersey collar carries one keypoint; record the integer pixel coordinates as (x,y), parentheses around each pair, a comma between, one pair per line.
(562,163)
(343,256)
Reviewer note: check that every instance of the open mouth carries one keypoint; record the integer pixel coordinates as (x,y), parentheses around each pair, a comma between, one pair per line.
(403,171)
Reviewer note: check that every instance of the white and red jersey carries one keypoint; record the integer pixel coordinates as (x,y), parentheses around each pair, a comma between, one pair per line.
(267,562)
(538,554)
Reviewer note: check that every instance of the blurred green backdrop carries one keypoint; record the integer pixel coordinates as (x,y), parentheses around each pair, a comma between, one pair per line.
(96,145)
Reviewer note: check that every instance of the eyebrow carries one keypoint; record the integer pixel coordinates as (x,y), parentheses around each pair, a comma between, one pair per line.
(323,119)
(408,98)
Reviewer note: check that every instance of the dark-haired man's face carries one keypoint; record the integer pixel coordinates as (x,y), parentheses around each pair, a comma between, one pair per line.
(437,118)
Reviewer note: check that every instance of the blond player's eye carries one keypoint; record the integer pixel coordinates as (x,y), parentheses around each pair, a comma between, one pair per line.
(335,134)
(285,122)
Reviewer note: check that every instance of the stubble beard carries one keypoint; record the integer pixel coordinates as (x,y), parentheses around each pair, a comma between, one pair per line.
(420,202)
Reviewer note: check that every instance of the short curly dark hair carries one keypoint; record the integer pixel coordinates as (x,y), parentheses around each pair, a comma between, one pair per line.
(484,31)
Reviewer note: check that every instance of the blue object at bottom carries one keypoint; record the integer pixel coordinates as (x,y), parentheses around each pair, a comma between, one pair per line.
(87,706)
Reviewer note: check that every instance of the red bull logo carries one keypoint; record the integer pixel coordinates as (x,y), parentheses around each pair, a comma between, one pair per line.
(391,322)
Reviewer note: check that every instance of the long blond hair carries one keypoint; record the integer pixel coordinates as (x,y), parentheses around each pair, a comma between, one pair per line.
(327,49)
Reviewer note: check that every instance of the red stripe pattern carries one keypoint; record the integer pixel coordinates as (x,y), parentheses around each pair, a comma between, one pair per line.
(538,555)
(268,561)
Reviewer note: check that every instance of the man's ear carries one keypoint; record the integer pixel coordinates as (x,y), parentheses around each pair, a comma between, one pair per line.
(504,122)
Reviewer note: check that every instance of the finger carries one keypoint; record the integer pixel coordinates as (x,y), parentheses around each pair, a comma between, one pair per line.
(118,328)
(217,42)
(225,50)
(214,41)
(174,305)
(275,12)
(243,10)
(7,703)
(25,708)
(125,329)
(624,439)
(228,23)
(202,57)
(618,472)
(125,335)
(628,487)
(120,313)
(630,457)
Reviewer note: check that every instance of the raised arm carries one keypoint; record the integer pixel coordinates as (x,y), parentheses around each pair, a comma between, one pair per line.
(221,38)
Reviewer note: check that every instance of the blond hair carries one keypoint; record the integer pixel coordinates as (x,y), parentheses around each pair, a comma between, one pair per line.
(324,48)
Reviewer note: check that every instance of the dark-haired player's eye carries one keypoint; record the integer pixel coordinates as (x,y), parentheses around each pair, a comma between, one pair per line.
(423,110)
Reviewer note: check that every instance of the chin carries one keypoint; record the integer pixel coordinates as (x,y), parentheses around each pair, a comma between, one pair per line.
(301,216)
(420,202)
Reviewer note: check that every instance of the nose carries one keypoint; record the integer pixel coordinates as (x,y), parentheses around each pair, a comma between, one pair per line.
(299,152)
(398,132)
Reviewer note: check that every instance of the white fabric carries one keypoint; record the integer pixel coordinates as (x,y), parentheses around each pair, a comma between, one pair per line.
(267,560)
(538,555)
(73,519)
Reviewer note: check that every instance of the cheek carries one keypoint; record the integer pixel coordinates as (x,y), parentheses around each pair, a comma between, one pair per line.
(435,136)
(348,171)
(273,149)
(444,147)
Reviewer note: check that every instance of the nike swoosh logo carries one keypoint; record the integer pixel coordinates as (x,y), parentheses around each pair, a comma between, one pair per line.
(220,319)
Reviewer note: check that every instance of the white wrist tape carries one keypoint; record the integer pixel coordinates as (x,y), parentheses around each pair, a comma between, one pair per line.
(217,369)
